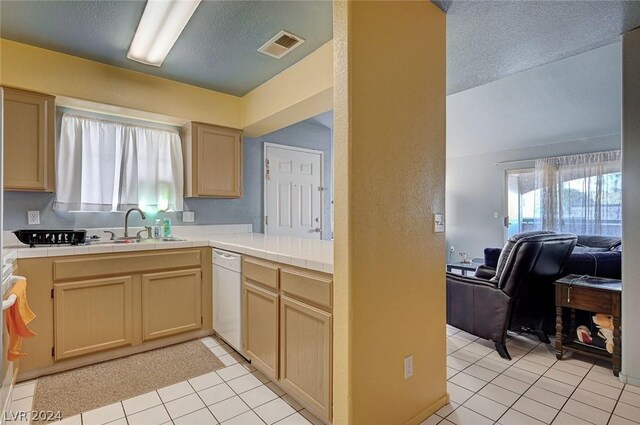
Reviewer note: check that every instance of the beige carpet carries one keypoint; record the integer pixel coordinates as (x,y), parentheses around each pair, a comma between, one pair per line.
(90,387)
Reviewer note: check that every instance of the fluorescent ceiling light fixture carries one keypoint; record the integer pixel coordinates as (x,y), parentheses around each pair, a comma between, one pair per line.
(161,24)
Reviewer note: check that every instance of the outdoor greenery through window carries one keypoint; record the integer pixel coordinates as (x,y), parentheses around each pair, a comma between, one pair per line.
(579,194)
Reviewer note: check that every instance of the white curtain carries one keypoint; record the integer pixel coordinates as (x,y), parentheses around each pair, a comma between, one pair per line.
(580,194)
(111,166)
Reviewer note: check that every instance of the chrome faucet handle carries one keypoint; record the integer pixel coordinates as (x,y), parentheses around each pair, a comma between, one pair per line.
(113,235)
(146,229)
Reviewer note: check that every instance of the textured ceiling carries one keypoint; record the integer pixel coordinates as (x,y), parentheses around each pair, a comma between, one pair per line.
(490,40)
(217,49)
(575,98)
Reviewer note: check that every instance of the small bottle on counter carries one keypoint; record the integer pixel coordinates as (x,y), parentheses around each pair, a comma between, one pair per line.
(167,227)
(157,229)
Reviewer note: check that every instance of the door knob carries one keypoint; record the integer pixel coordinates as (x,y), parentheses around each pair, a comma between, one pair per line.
(318,229)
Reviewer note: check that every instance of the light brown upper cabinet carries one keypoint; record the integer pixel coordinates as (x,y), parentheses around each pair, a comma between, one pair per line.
(29,141)
(213,161)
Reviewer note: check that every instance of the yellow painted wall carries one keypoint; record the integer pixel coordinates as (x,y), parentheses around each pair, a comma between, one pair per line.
(42,70)
(389,141)
(301,91)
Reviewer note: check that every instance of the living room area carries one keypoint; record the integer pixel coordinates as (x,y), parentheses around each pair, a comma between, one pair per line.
(540,292)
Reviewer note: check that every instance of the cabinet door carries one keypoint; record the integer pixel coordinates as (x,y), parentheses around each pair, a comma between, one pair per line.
(29,147)
(305,339)
(215,166)
(171,303)
(92,315)
(261,328)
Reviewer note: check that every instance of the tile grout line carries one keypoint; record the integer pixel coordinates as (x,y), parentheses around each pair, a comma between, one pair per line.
(487,383)
(573,392)
(530,386)
(616,405)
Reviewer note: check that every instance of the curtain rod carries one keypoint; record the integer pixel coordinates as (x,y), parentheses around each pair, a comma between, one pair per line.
(545,157)
(115,121)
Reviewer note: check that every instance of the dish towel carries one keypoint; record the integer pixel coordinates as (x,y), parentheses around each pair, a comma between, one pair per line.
(18,317)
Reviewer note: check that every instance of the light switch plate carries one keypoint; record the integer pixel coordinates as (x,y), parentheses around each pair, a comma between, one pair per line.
(438,222)
(188,216)
(33,217)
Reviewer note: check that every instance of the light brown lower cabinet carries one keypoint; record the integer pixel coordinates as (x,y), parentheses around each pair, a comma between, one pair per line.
(288,330)
(96,307)
(261,328)
(93,315)
(305,354)
(171,303)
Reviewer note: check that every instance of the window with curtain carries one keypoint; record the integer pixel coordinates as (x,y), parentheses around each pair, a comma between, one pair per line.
(579,194)
(111,166)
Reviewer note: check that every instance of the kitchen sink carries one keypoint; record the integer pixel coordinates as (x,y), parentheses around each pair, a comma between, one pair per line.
(129,240)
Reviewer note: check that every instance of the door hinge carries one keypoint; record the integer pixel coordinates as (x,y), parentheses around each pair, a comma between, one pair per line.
(201,320)
(201,274)
(52,294)
(266,220)
(266,169)
(53,351)
(320,188)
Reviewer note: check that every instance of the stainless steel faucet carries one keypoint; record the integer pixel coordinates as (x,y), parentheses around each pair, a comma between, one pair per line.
(126,220)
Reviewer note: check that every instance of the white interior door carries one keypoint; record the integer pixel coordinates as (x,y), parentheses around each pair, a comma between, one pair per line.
(293,194)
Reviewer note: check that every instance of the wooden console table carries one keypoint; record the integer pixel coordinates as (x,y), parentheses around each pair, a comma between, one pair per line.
(593,294)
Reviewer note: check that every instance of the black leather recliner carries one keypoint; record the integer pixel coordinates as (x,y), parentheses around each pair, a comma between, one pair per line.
(519,298)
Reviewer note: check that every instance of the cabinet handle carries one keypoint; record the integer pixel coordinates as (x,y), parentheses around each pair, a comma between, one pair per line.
(569,294)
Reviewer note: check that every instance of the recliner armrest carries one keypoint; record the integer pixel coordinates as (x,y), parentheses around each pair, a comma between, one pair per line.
(485,272)
(471,280)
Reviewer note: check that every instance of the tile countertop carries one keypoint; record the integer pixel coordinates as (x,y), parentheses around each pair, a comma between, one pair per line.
(307,253)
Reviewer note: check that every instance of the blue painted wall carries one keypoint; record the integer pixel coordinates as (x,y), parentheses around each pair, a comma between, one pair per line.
(248,209)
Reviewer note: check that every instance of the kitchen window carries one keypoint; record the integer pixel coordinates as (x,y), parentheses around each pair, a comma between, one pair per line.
(112,166)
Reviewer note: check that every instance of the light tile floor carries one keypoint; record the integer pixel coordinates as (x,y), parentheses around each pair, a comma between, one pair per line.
(235,395)
(532,389)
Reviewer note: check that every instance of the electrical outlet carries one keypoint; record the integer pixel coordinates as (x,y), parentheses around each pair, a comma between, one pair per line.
(452,249)
(33,217)
(408,367)
(188,216)
(495,214)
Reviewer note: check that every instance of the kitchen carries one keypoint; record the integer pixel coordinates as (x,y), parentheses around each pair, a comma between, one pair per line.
(123,254)
(387,158)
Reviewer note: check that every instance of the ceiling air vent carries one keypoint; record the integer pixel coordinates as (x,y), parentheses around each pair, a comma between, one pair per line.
(281,44)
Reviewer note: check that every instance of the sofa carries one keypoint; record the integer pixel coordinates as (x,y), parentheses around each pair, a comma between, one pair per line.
(593,255)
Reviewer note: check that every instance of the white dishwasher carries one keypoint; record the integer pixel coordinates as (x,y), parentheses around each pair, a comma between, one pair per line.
(227,297)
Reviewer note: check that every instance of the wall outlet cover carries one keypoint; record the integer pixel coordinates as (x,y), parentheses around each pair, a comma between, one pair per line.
(408,367)
(188,216)
(438,222)
(33,217)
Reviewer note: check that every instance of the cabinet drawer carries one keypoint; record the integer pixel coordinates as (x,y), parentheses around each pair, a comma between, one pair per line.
(307,286)
(88,266)
(260,271)
(586,299)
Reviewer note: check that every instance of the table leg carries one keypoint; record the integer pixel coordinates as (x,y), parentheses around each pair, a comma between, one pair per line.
(617,342)
(559,333)
(572,325)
